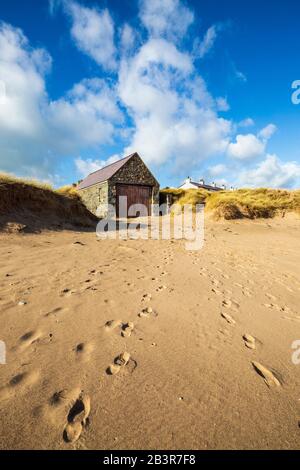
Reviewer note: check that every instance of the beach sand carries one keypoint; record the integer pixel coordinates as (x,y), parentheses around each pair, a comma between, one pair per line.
(208,334)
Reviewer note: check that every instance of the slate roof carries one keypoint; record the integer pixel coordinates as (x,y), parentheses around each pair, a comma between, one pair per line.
(204,186)
(104,173)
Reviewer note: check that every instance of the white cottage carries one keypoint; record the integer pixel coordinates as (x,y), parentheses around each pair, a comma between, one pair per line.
(189,184)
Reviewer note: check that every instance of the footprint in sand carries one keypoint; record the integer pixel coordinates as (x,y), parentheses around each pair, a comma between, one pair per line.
(147,312)
(58,404)
(63,397)
(112,325)
(249,341)
(120,361)
(77,418)
(146,298)
(127,329)
(124,328)
(130,284)
(216,291)
(227,303)
(247,293)
(83,351)
(19,382)
(273,307)
(67,292)
(228,318)
(202,273)
(55,311)
(269,377)
(28,339)
(230,304)
(161,288)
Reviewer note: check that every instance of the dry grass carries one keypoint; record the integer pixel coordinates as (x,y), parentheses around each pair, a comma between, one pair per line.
(37,205)
(5,178)
(68,191)
(243,203)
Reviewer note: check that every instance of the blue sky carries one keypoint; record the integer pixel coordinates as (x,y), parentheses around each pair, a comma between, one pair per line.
(200,89)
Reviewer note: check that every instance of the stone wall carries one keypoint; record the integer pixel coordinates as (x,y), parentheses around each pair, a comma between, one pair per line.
(96,197)
(133,172)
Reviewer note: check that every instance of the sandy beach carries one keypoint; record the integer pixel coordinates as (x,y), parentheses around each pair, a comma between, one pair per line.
(208,336)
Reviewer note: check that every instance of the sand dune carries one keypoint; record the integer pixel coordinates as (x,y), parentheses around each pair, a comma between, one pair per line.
(144,345)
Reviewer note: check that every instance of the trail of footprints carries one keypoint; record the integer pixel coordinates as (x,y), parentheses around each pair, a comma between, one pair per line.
(271,377)
(74,404)
(79,403)
(126,329)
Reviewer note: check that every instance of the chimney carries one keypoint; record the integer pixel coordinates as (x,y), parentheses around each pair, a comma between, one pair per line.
(202,182)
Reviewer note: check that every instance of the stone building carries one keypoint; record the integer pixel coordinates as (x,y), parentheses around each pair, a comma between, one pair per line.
(128,177)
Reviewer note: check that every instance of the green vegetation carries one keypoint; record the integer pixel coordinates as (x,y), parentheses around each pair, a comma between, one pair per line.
(242,203)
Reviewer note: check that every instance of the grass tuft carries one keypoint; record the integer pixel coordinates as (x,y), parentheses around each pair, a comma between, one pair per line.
(239,204)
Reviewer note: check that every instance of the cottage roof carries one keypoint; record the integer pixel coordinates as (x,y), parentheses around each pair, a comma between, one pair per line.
(203,186)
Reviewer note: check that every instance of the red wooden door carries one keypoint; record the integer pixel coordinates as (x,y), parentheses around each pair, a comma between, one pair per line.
(136,194)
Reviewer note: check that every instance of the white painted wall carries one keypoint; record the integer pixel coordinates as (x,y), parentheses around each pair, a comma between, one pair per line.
(188,185)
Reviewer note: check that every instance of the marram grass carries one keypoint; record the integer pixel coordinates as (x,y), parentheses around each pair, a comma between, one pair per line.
(242,203)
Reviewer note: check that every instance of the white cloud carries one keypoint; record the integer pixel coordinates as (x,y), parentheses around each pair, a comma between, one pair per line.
(25,99)
(86,116)
(93,32)
(222,104)
(217,170)
(165,18)
(35,132)
(87,166)
(172,110)
(237,74)
(248,122)
(21,71)
(208,41)
(53,6)
(272,173)
(250,146)
(246,147)
(128,38)
(267,132)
